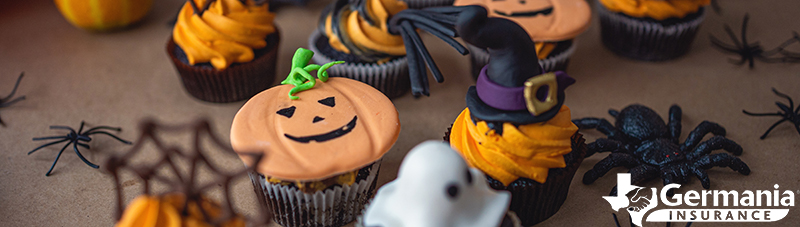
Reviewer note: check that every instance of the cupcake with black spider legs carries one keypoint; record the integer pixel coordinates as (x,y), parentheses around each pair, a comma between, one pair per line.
(224,50)
(552,24)
(515,127)
(650,30)
(378,39)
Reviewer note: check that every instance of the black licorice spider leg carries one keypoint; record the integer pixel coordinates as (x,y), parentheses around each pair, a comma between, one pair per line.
(440,22)
(788,113)
(4,102)
(749,52)
(75,139)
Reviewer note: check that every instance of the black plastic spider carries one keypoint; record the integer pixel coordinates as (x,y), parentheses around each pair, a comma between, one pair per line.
(649,148)
(4,102)
(748,52)
(788,113)
(75,139)
(616,221)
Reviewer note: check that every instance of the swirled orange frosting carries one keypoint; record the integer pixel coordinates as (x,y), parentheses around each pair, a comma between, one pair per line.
(528,151)
(368,36)
(226,33)
(165,211)
(656,9)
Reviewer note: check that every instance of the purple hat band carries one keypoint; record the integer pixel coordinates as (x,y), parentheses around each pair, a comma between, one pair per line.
(499,96)
(511,98)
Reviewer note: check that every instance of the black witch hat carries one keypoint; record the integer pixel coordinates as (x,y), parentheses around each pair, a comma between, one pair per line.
(512,87)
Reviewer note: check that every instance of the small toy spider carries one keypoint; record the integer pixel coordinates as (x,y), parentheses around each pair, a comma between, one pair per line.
(75,139)
(643,143)
(4,102)
(789,113)
(749,52)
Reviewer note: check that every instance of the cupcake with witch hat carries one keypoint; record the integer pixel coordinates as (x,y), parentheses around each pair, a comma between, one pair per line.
(516,128)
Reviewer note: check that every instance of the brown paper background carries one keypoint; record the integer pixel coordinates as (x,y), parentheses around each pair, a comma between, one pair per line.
(121,77)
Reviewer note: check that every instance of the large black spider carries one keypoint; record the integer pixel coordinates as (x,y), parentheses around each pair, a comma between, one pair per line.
(788,113)
(749,52)
(75,139)
(4,102)
(649,148)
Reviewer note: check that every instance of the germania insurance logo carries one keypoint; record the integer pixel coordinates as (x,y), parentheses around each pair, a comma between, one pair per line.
(707,205)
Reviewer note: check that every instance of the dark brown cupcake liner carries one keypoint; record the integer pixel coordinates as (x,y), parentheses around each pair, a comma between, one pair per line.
(336,206)
(534,202)
(480,57)
(647,39)
(419,4)
(238,82)
(391,78)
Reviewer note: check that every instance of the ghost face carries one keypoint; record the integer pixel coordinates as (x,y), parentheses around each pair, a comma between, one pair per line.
(435,187)
(544,20)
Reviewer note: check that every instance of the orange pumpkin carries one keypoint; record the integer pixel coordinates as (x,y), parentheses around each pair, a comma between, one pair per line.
(103,15)
(337,126)
(544,20)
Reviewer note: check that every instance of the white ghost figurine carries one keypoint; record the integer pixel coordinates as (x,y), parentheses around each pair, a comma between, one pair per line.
(436,188)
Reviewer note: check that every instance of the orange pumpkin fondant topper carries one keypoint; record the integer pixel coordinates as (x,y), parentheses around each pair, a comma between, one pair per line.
(103,15)
(544,20)
(332,125)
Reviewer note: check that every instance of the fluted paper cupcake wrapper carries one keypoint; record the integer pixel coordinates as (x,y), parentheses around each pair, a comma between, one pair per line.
(291,207)
(238,82)
(645,40)
(419,4)
(391,78)
(480,57)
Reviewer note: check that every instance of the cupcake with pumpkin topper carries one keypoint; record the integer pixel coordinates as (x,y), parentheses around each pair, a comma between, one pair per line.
(515,127)
(324,139)
(435,187)
(378,39)
(224,50)
(552,24)
(650,30)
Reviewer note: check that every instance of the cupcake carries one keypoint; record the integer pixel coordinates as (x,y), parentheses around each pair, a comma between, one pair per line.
(553,26)
(515,127)
(650,30)
(224,50)
(419,4)
(323,138)
(370,36)
(435,187)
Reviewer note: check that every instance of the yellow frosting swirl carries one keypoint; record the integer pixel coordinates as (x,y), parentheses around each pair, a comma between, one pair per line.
(527,151)
(226,33)
(656,9)
(165,211)
(366,36)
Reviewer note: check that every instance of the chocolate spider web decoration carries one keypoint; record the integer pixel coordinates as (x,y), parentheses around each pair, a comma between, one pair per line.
(749,52)
(169,155)
(5,102)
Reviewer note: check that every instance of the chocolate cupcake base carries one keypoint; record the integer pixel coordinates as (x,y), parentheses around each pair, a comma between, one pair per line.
(391,78)
(647,39)
(238,82)
(480,57)
(334,206)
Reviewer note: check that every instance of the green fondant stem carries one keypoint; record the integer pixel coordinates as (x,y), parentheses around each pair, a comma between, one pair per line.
(299,75)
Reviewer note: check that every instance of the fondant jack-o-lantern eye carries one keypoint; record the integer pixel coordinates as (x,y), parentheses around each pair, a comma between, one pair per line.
(544,20)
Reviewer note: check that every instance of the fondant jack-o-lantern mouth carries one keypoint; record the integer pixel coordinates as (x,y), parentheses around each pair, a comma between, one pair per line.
(544,12)
(326,136)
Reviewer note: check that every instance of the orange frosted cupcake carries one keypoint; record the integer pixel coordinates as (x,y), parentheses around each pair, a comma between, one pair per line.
(324,139)
(552,25)
(224,50)
(650,30)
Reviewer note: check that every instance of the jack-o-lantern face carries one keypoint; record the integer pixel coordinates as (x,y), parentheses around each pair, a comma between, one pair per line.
(336,126)
(544,20)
